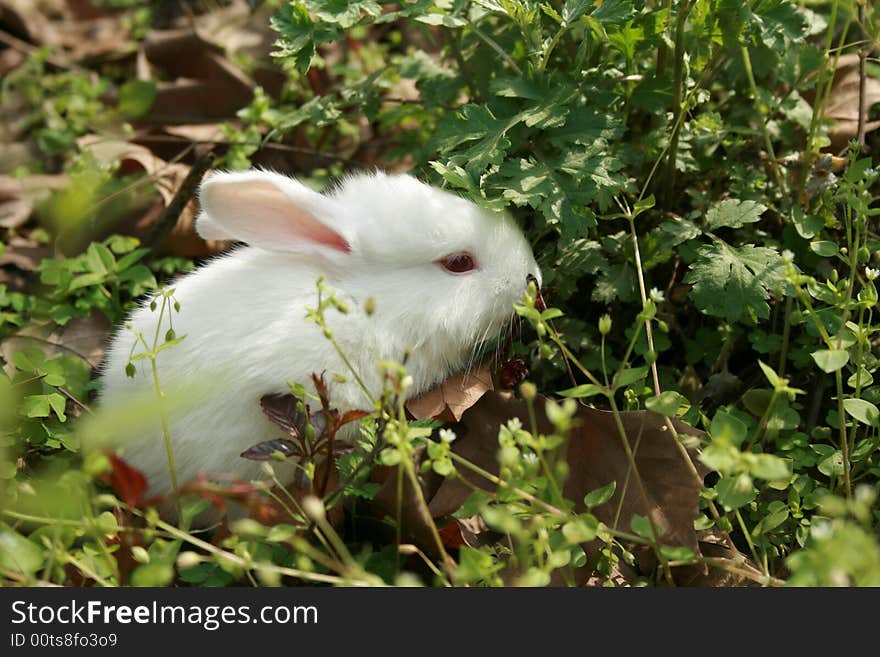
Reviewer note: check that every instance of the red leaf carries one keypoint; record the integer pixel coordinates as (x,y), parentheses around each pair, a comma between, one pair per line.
(352,416)
(451,536)
(126,481)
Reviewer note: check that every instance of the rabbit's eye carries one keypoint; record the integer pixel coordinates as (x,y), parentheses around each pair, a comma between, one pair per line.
(458,263)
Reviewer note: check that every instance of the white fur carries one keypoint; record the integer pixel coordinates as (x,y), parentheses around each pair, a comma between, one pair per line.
(243,313)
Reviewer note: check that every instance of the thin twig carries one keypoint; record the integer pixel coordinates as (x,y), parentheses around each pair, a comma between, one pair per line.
(184,194)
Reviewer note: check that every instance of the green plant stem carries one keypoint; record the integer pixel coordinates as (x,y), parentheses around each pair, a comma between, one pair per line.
(485,474)
(422,505)
(748,537)
(804,298)
(545,466)
(163,418)
(823,84)
(768,143)
(677,89)
(641,278)
(786,336)
(631,459)
(689,463)
(494,46)
(88,572)
(248,565)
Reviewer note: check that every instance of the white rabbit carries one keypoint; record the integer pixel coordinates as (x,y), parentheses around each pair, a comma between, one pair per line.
(443,272)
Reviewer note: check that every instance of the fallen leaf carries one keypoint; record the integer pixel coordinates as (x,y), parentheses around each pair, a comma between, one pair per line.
(197,84)
(127,482)
(167,177)
(448,401)
(595,456)
(24,253)
(18,196)
(843,101)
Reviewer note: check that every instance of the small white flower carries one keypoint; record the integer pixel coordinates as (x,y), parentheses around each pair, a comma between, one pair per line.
(447,435)
(656,295)
(514,424)
(871,273)
(788,255)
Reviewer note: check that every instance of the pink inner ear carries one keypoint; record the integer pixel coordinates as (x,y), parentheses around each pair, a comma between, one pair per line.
(268,216)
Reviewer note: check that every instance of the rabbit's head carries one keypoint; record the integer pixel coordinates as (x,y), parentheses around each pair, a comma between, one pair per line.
(443,272)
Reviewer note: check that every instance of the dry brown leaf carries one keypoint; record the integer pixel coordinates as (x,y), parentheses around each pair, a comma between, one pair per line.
(14,154)
(448,401)
(74,30)
(15,210)
(843,102)
(167,178)
(595,456)
(24,253)
(85,337)
(205,86)
(28,20)
(19,195)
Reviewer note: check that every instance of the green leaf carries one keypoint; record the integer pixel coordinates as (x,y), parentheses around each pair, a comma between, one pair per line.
(728,280)
(601,495)
(572,10)
(736,491)
(653,94)
(584,390)
(300,35)
(629,376)
(140,276)
(727,427)
(129,259)
(18,553)
(474,123)
(100,259)
(390,456)
(770,374)
(769,467)
(807,225)
(612,11)
(345,13)
(441,19)
(832,465)
(642,526)
(666,404)
(136,98)
(87,280)
(734,213)
(35,406)
(169,343)
(58,403)
(677,553)
(152,574)
(29,360)
(824,248)
(830,360)
(581,530)
(860,378)
(864,411)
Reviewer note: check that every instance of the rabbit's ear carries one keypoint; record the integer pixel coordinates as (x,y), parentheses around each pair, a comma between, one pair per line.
(268,210)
